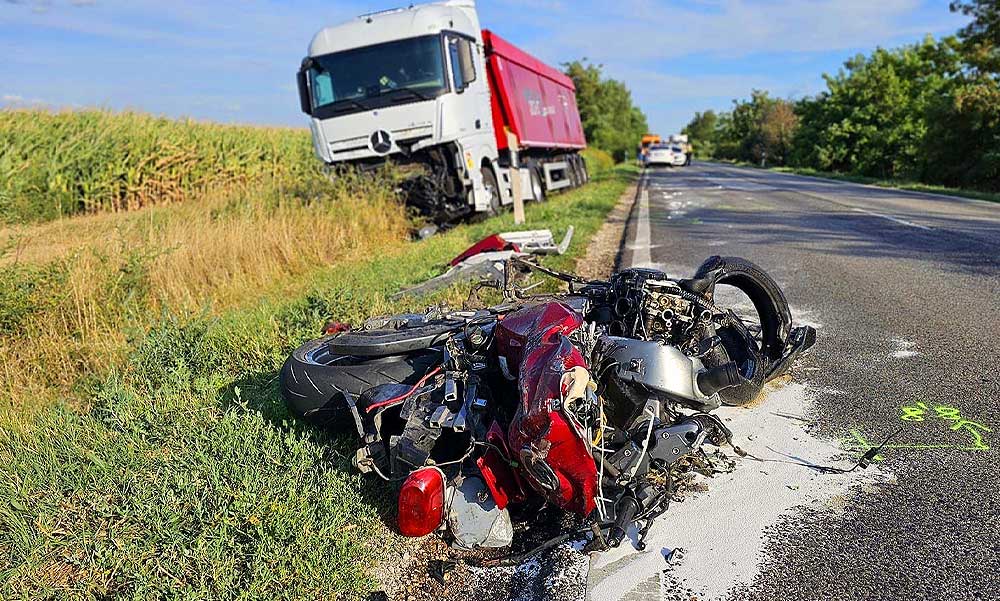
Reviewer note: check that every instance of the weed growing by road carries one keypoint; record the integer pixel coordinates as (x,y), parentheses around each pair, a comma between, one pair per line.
(73,292)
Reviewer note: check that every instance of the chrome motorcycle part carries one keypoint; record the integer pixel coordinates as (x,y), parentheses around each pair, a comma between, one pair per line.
(661,370)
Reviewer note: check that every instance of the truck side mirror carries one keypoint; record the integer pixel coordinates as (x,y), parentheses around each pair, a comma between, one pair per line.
(463,67)
(305,95)
(466,61)
(305,103)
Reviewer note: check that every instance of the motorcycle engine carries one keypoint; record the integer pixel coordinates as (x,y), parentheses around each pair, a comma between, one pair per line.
(648,305)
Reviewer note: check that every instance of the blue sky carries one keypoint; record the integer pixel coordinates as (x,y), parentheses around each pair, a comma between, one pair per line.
(235,61)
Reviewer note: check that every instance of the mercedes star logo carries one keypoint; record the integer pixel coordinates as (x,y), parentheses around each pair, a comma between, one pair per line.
(380,141)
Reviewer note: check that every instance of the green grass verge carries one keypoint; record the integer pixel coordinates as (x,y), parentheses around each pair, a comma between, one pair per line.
(873,181)
(186,478)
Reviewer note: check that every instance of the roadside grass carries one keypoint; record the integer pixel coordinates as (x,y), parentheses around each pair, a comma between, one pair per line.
(184,477)
(873,181)
(74,291)
(56,164)
(598,161)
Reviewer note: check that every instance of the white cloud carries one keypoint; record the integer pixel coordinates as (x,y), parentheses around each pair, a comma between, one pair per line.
(677,56)
(651,29)
(657,46)
(43,6)
(218,25)
(20,101)
(647,82)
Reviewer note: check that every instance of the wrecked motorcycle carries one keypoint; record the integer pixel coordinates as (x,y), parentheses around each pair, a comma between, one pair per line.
(591,400)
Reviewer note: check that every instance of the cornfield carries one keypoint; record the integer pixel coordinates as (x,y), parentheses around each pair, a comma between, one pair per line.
(56,164)
(115,219)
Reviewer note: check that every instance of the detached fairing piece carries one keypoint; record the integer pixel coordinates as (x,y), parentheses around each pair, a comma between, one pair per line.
(484,261)
(589,400)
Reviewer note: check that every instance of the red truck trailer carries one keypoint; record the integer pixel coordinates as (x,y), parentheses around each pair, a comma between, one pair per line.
(536,102)
(425,86)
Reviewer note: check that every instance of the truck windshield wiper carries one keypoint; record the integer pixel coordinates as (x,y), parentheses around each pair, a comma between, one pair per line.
(413,91)
(340,106)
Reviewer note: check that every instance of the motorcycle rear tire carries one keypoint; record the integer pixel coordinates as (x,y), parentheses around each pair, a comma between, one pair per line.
(314,382)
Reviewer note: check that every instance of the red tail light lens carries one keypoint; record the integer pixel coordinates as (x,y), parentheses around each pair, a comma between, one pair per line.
(421,502)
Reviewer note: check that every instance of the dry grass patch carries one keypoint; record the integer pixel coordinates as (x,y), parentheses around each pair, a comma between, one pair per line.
(73,291)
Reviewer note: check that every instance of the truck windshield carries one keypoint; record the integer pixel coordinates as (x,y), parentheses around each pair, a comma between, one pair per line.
(375,76)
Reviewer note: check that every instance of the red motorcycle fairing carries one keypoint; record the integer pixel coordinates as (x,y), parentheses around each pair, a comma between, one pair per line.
(553,454)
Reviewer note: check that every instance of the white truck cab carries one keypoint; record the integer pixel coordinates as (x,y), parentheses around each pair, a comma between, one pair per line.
(411,84)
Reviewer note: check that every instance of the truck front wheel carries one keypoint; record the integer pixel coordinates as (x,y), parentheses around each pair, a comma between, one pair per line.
(579,177)
(490,184)
(573,172)
(537,189)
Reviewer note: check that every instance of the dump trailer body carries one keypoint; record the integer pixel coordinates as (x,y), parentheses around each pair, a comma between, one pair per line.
(533,100)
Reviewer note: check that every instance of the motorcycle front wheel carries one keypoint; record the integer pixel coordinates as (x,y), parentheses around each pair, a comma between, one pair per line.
(755,343)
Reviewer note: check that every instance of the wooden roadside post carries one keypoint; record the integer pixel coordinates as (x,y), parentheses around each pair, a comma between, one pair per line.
(515,177)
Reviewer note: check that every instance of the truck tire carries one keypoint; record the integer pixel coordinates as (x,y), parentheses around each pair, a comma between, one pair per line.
(583,169)
(574,172)
(537,188)
(490,183)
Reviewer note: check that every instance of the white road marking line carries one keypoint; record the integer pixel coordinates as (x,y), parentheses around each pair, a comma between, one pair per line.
(894,219)
(641,257)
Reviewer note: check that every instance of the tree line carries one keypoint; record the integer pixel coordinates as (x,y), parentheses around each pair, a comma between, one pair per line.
(927,112)
(611,121)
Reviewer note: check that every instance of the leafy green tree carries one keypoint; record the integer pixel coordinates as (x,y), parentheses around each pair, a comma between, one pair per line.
(777,127)
(611,121)
(702,132)
(761,130)
(963,137)
(872,119)
(966,123)
(981,37)
(928,111)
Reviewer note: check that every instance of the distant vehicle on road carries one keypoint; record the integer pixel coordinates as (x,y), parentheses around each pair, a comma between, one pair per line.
(680,156)
(682,141)
(665,154)
(647,141)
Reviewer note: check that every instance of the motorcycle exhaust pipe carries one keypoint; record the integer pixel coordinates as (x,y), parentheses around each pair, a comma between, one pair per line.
(719,378)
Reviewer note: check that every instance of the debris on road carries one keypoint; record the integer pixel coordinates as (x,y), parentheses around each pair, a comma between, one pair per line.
(744,501)
(485,260)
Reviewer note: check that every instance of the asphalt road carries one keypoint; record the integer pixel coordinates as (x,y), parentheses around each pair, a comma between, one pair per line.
(906,290)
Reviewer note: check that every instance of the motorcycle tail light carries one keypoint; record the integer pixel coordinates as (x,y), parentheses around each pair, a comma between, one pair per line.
(421,502)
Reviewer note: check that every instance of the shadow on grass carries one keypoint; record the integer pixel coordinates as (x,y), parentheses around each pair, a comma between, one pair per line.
(260,392)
